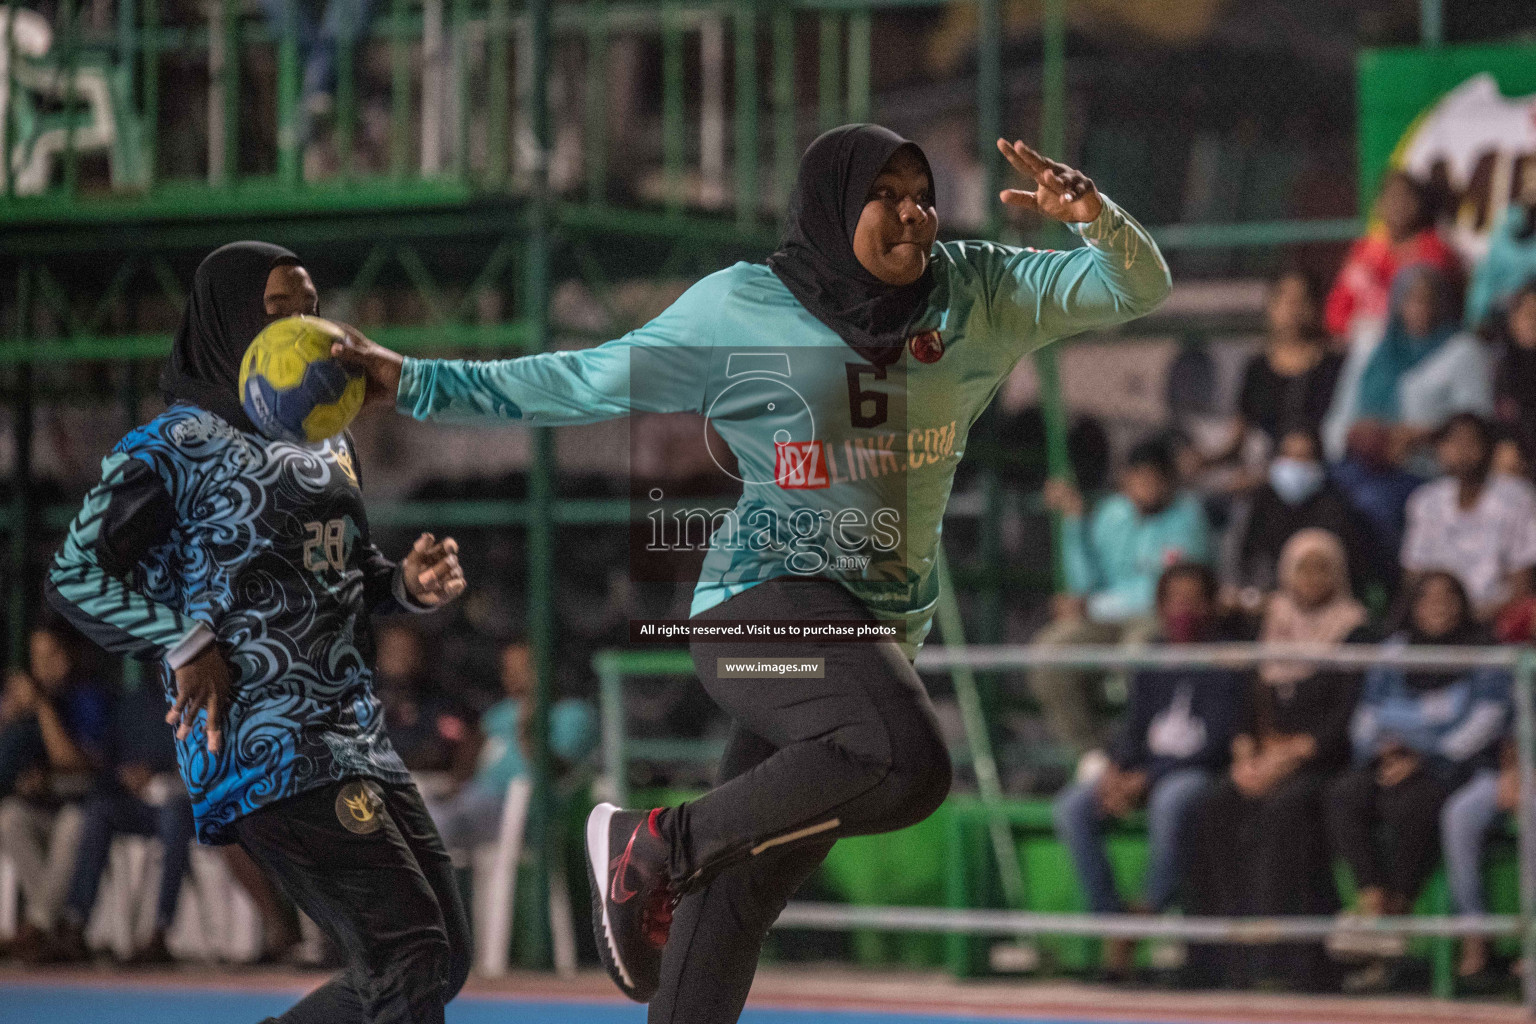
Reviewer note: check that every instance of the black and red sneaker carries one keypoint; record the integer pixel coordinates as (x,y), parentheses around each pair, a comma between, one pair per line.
(632,898)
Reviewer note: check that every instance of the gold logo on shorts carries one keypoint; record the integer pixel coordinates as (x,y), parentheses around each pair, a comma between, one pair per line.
(359,807)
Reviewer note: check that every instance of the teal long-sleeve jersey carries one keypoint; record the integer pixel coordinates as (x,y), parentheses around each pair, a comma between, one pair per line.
(845,466)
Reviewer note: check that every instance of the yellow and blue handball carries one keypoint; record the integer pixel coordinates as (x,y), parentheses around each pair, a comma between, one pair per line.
(290,386)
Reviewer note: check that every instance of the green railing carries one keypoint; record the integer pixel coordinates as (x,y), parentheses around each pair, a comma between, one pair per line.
(1001,817)
(733,111)
(434,50)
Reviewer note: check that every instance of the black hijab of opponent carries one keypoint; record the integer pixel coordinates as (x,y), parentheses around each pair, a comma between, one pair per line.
(224,313)
(815,259)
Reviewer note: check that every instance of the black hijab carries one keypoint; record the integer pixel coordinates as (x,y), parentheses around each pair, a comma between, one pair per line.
(224,313)
(1466,633)
(815,259)
(1515,377)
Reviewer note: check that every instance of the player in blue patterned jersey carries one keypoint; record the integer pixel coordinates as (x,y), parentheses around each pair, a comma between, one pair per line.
(243,567)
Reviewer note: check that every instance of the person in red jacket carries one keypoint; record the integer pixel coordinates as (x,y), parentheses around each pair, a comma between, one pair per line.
(1403,234)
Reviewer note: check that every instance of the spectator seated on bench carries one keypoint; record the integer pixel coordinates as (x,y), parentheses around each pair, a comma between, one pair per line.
(1260,847)
(1418,736)
(1175,741)
(141,794)
(469,814)
(53,728)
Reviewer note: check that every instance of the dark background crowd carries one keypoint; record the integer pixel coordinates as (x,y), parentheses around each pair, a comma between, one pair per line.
(1375,487)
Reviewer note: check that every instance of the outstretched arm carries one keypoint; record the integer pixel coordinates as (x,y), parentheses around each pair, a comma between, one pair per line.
(1118,275)
(661,367)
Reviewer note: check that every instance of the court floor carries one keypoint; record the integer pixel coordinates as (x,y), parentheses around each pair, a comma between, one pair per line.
(213,997)
(36,1004)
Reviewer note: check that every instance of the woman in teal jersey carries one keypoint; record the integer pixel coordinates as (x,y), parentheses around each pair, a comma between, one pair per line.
(844,376)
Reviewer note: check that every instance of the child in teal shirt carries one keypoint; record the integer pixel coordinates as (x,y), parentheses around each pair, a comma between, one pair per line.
(471,814)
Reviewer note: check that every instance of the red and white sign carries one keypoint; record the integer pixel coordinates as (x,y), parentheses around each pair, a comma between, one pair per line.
(799,465)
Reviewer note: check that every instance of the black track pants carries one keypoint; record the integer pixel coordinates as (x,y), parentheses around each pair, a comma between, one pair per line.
(375,877)
(809,760)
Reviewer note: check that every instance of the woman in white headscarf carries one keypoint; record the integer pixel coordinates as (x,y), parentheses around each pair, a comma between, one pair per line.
(1260,843)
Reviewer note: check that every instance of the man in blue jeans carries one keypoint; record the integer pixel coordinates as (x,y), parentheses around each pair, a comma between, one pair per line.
(1175,739)
(140,795)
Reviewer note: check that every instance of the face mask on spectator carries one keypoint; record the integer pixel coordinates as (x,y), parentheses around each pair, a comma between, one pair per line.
(1185,627)
(1295,480)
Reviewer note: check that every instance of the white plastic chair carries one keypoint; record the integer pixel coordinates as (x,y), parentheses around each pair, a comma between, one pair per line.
(10,898)
(495,890)
(214,918)
(115,919)
(495,878)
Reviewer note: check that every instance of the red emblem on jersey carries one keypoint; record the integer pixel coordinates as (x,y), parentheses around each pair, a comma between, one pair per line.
(927,347)
(800,465)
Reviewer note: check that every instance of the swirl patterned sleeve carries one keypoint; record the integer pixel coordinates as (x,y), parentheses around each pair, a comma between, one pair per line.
(93,581)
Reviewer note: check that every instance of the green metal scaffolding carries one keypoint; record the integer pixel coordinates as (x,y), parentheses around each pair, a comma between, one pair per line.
(489,180)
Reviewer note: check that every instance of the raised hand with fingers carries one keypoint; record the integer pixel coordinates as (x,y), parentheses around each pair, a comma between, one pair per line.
(202,684)
(432,572)
(380,365)
(1061,192)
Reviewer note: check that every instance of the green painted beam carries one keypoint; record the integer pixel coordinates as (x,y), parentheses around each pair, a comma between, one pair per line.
(399,88)
(70,45)
(595,139)
(21,484)
(1257,234)
(229,83)
(345,130)
(490,512)
(786,155)
(196,201)
(193,214)
(643,661)
(1053,143)
(149,79)
(860,99)
(989,108)
(499,91)
(746,115)
(53,517)
(290,155)
(458,85)
(866,5)
(511,337)
(829,89)
(298,232)
(674,134)
(718,230)
(541,497)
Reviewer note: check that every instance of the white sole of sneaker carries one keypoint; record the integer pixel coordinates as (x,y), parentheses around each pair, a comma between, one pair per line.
(597,866)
